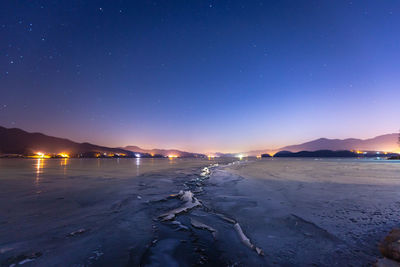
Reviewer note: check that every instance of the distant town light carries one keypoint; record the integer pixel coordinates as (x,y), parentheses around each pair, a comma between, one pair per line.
(137,155)
(41,155)
(172,156)
(63,155)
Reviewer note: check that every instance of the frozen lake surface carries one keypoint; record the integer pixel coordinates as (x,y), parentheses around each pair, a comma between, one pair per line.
(185,212)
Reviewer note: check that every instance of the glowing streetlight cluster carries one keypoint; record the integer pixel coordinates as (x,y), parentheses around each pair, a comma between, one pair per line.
(41,155)
(240,156)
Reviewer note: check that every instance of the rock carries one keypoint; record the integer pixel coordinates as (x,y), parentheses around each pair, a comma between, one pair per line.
(385,262)
(390,246)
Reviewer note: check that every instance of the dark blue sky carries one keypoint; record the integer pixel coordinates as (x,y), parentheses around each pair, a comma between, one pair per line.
(200,75)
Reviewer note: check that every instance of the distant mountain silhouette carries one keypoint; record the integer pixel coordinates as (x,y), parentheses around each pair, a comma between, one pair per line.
(17,141)
(163,152)
(387,142)
(333,154)
(317,154)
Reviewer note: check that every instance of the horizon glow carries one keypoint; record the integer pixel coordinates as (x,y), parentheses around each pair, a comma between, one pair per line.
(200,76)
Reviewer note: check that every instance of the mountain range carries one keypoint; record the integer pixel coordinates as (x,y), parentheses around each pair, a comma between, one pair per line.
(17,141)
(163,152)
(387,142)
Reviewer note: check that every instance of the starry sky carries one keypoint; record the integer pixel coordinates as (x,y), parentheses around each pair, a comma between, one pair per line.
(200,75)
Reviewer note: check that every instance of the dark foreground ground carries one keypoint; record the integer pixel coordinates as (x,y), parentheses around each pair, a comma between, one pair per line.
(261,213)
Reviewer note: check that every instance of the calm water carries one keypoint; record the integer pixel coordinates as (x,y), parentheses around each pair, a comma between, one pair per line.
(38,170)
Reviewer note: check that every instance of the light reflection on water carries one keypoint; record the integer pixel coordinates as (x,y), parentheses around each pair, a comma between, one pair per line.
(137,166)
(97,167)
(105,167)
(46,171)
(39,166)
(64,163)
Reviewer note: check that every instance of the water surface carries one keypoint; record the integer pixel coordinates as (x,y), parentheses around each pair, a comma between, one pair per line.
(324,212)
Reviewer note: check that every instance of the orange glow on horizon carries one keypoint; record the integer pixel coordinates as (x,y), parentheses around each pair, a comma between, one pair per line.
(40,155)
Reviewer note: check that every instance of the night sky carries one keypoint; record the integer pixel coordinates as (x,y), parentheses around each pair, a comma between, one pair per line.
(200,75)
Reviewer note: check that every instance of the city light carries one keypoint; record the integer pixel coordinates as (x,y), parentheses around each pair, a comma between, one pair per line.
(40,155)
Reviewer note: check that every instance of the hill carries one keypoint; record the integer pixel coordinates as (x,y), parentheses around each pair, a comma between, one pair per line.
(387,142)
(317,154)
(164,152)
(17,141)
